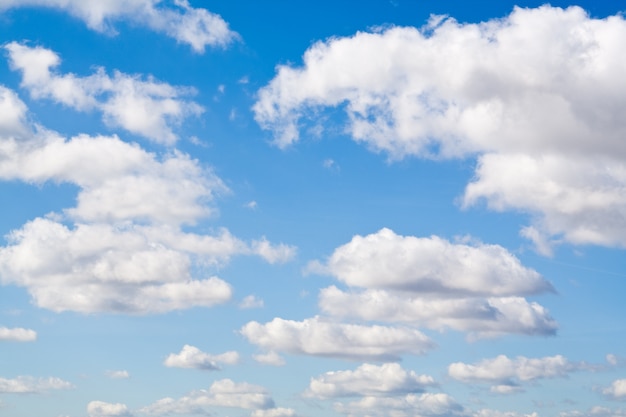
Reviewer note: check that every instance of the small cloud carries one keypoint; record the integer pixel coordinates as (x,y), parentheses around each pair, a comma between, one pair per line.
(232,115)
(252,205)
(244,80)
(17,334)
(117,374)
(221,88)
(330,164)
(251,301)
(194,358)
(270,358)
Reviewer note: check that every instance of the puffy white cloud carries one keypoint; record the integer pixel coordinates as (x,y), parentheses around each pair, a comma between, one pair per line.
(17,334)
(574,198)
(274,412)
(541,107)
(496,413)
(388,379)
(480,317)
(596,411)
(12,114)
(103,409)
(145,107)
(318,337)
(192,357)
(31,385)
(196,27)
(121,374)
(617,390)
(270,358)
(506,375)
(251,301)
(222,393)
(433,265)
(426,405)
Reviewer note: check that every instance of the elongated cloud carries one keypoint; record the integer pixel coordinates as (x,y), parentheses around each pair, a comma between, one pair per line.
(507,375)
(149,108)
(317,337)
(192,357)
(104,409)
(32,385)
(196,27)
(388,379)
(17,334)
(427,405)
(541,107)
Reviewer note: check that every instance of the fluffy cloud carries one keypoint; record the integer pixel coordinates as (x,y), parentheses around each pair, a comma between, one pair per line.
(196,27)
(270,358)
(388,379)
(506,375)
(596,411)
(17,334)
(317,337)
(480,317)
(431,265)
(145,107)
(251,301)
(426,405)
(31,385)
(103,409)
(192,357)
(617,390)
(543,103)
(496,413)
(222,393)
(274,412)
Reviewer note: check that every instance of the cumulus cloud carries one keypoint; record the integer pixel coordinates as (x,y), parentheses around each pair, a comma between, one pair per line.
(17,334)
(318,337)
(481,318)
(251,301)
(388,379)
(192,357)
(222,393)
(270,358)
(386,260)
(196,27)
(426,405)
(32,385)
(507,375)
(149,108)
(274,412)
(103,409)
(538,95)
(596,411)
(617,390)
(121,249)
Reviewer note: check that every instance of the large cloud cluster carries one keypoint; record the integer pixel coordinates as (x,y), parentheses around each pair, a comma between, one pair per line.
(538,96)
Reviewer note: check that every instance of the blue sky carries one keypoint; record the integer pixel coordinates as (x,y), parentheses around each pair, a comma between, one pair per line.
(281,209)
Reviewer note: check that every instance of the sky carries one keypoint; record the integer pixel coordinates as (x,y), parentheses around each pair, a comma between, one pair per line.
(385,208)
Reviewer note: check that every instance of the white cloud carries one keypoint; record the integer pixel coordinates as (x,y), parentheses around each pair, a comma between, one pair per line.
(574,198)
(496,413)
(596,411)
(480,317)
(17,334)
(222,393)
(103,409)
(274,412)
(543,106)
(617,390)
(121,374)
(145,107)
(317,337)
(433,265)
(31,385)
(270,358)
(388,379)
(506,374)
(196,27)
(251,301)
(424,405)
(12,114)
(192,357)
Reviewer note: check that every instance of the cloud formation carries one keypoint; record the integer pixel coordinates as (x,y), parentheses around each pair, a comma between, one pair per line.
(192,357)
(195,27)
(318,337)
(541,108)
(32,385)
(617,390)
(426,405)
(104,409)
(17,334)
(149,108)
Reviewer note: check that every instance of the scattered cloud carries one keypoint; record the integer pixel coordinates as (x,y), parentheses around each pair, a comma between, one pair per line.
(617,390)
(121,374)
(274,412)
(507,375)
(496,413)
(192,357)
(388,379)
(103,409)
(252,205)
(144,107)
(426,405)
(17,334)
(32,385)
(251,301)
(195,27)
(270,358)
(317,337)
